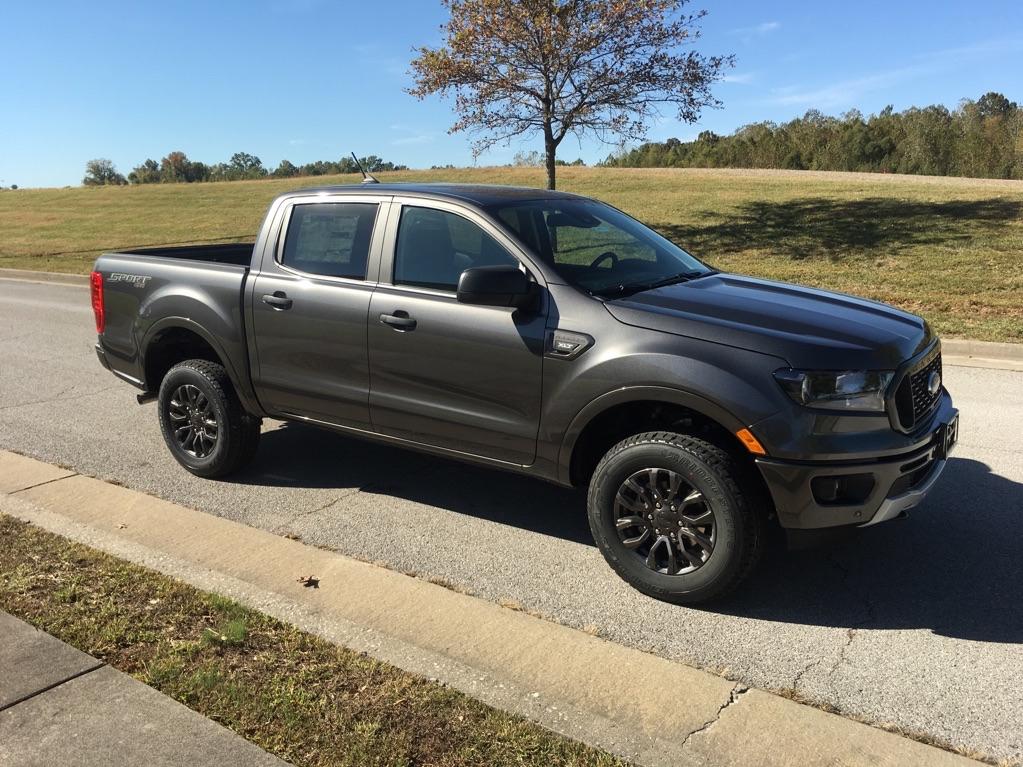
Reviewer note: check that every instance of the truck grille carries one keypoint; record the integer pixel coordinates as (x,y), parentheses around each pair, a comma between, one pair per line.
(913,400)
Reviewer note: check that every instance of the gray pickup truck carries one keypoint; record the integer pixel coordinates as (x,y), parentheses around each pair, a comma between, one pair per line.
(548,334)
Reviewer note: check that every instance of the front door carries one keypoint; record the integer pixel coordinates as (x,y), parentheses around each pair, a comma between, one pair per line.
(309,308)
(447,374)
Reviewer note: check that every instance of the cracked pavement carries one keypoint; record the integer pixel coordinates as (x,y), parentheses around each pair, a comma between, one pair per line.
(914,624)
(733,697)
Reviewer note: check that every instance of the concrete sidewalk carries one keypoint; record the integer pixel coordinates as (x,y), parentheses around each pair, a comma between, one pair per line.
(654,711)
(61,706)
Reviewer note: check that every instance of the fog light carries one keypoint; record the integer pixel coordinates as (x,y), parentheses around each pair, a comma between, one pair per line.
(842,489)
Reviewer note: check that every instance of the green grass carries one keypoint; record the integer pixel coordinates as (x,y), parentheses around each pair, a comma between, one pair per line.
(949,249)
(295,695)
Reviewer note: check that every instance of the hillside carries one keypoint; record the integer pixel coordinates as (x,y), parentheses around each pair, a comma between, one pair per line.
(950,249)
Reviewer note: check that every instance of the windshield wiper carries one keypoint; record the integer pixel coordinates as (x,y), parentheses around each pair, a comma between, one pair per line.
(619,291)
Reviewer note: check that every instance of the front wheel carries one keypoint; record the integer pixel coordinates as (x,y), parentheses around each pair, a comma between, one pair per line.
(203,423)
(669,515)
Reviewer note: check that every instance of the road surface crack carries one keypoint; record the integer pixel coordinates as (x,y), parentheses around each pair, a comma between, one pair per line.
(869,617)
(61,396)
(733,697)
(330,503)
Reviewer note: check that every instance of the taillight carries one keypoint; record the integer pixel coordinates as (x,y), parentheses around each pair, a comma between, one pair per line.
(96,283)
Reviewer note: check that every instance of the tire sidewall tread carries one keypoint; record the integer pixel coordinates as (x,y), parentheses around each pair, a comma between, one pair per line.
(237,434)
(712,471)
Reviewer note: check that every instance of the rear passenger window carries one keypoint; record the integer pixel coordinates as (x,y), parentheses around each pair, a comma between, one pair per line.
(330,238)
(435,247)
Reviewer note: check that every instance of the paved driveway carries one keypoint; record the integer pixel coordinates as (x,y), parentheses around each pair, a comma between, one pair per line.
(916,623)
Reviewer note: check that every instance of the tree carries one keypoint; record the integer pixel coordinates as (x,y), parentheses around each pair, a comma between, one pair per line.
(245,165)
(177,168)
(101,172)
(285,170)
(146,173)
(531,159)
(555,67)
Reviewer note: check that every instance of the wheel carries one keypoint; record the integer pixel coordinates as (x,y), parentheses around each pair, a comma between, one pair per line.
(669,515)
(202,421)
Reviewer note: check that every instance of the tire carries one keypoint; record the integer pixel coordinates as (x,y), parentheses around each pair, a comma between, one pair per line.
(700,562)
(198,395)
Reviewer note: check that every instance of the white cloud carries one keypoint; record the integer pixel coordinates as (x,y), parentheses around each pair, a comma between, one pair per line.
(413,136)
(846,93)
(758,30)
(741,78)
(422,138)
(983,49)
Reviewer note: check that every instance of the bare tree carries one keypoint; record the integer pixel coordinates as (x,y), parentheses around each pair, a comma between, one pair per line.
(555,67)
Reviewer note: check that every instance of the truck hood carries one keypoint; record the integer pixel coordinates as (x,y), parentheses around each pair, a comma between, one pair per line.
(809,328)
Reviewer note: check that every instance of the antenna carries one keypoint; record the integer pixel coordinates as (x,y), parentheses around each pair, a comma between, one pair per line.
(366,178)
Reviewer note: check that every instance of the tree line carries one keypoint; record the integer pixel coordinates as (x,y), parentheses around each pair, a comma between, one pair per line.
(177,168)
(982,138)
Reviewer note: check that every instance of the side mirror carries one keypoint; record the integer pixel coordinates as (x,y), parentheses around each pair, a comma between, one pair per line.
(495,286)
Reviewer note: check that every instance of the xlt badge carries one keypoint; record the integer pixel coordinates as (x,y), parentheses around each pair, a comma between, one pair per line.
(566,344)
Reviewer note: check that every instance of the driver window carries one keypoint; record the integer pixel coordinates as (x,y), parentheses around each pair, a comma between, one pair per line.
(435,247)
(590,240)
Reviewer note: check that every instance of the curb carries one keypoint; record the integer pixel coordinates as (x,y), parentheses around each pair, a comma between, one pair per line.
(982,354)
(28,275)
(571,682)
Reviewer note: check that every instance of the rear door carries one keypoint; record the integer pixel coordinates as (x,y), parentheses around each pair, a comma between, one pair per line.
(447,374)
(309,308)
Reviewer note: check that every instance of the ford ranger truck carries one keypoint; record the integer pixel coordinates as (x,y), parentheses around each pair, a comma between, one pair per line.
(548,334)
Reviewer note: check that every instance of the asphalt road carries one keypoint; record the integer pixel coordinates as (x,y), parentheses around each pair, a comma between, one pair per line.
(916,623)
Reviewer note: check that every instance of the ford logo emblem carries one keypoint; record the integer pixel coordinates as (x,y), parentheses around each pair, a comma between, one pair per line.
(934,382)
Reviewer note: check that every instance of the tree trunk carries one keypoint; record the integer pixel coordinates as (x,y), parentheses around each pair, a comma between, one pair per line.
(551,150)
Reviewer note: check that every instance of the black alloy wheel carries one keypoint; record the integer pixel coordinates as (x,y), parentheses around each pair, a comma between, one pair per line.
(665,521)
(193,420)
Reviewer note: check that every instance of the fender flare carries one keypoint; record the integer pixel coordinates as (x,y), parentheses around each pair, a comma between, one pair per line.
(184,323)
(626,394)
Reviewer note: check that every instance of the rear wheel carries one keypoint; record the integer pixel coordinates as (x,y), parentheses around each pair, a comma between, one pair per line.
(669,515)
(203,423)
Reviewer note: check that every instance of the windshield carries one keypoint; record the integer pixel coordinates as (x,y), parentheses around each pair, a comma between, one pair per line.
(597,248)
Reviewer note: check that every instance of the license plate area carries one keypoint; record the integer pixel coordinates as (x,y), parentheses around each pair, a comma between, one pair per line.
(948,436)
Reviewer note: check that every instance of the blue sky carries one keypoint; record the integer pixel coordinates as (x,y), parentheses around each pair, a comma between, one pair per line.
(314,79)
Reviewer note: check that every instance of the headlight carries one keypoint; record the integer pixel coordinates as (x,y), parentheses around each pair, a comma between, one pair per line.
(844,390)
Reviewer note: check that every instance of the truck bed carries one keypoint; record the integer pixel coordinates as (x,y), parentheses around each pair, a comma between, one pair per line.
(237,253)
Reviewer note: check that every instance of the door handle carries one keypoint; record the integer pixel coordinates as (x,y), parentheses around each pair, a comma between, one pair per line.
(399,320)
(278,300)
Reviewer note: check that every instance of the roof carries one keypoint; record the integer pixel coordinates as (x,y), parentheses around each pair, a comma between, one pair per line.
(478,194)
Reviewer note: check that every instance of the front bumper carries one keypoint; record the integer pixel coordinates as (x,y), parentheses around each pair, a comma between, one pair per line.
(806,493)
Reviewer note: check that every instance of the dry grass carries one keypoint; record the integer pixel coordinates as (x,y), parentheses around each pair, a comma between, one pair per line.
(295,695)
(950,249)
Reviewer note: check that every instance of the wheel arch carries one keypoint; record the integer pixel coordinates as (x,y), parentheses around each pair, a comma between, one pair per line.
(606,420)
(175,339)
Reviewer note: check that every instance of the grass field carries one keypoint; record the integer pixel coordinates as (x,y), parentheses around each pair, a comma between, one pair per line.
(949,249)
(299,697)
